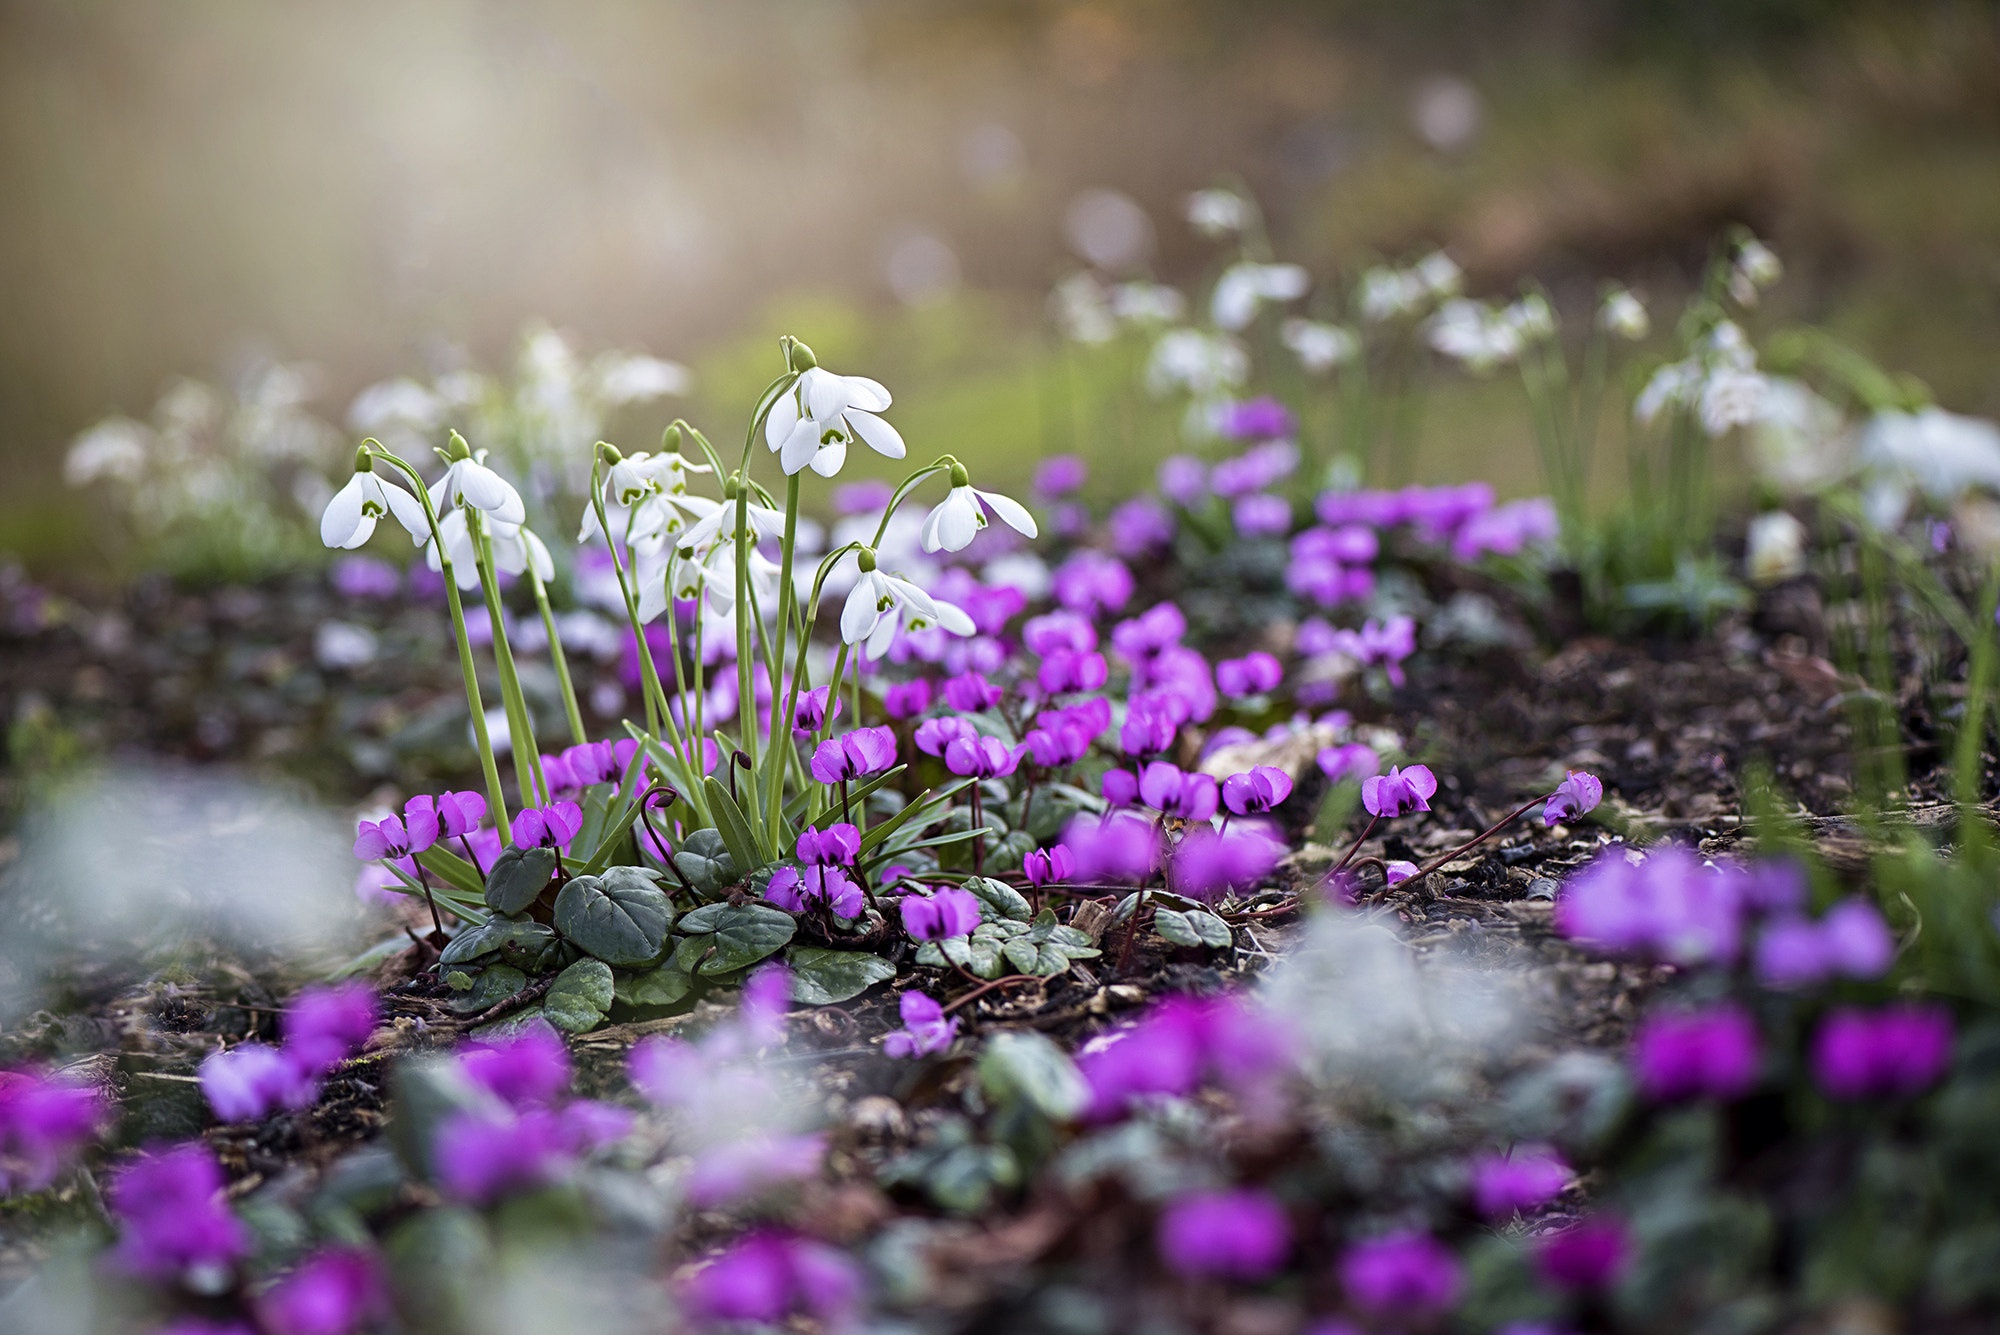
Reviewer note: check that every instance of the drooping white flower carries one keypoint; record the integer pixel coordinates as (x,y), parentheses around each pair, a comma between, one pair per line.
(718,527)
(1439,274)
(1731,398)
(1243,287)
(115,448)
(880,604)
(1531,317)
(1942,452)
(467,480)
(515,550)
(645,496)
(349,518)
(1389,294)
(1624,314)
(813,422)
(1756,268)
(1319,346)
(957,519)
(1473,335)
(1217,213)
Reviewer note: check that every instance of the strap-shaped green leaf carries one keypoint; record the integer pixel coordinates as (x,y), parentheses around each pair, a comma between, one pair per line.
(735,830)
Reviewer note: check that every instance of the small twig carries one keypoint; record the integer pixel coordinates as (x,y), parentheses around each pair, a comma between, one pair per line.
(533,992)
(984,988)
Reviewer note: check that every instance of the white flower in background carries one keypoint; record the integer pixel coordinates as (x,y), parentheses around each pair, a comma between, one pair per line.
(879,604)
(1731,397)
(812,424)
(1624,315)
(630,377)
(1245,286)
(1203,364)
(1474,335)
(1389,294)
(1531,317)
(115,448)
(1082,309)
(1775,547)
(342,644)
(1217,213)
(1320,347)
(1756,268)
(1942,453)
(1800,442)
(396,407)
(957,519)
(1024,572)
(1719,381)
(470,482)
(1440,275)
(349,518)
(1147,303)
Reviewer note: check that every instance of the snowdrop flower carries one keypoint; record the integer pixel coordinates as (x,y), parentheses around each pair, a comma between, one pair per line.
(1943,453)
(350,516)
(515,550)
(1531,317)
(1438,274)
(812,423)
(1147,303)
(115,448)
(1474,335)
(1245,286)
(1203,364)
(1624,315)
(1756,267)
(645,495)
(1080,306)
(1217,213)
(709,531)
(880,603)
(468,481)
(1319,347)
(1387,294)
(1731,398)
(1776,547)
(960,515)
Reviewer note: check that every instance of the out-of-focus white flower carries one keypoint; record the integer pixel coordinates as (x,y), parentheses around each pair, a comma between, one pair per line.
(516,550)
(1731,398)
(1531,317)
(1775,547)
(1082,309)
(1474,335)
(115,448)
(338,645)
(1147,303)
(1389,294)
(1203,364)
(395,407)
(1320,347)
(1245,286)
(812,424)
(1024,572)
(1217,213)
(630,377)
(1108,228)
(1941,452)
(1624,314)
(1439,274)
(1800,442)
(1756,268)
(1719,381)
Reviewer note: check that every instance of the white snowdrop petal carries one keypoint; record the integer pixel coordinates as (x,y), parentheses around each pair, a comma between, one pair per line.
(1011,511)
(879,435)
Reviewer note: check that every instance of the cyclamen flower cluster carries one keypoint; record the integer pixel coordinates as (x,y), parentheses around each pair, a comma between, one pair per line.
(822,878)
(321,1029)
(1178,1045)
(173,1223)
(520,1136)
(44,1121)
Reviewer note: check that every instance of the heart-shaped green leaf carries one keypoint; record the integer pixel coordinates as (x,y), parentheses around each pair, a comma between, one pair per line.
(620,917)
(1028,1067)
(518,877)
(722,938)
(580,996)
(704,861)
(493,986)
(510,934)
(821,977)
(651,987)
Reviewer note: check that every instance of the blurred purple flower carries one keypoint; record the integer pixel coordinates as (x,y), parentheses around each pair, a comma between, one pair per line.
(935,735)
(1255,419)
(1505,531)
(324,1025)
(1897,1051)
(1261,515)
(43,1121)
(1254,674)
(1399,792)
(1577,794)
(1256,469)
(366,577)
(944,914)
(1183,479)
(1120,787)
(1169,789)
(592,763)
(1713,1053)
(526,1069)
(1050,866)
(1090,581)
(1066,673)
(1504,1185)
(925,1029)
(1142,637)
(249,1082)
(969,693)
(1850,941)
(1178,1044)
(1408,1276)
(768,1277)
(481,1156)
(1351,761)
(1055,747)
(1148,729)
(1059,475)
(1585,1257)
(907,699)
(174,1222)
(863,751)
(1140,527)
(982,757)
(730,1172)
(1256,791)
(1059,630)
(1383,644)
(1241,1235)
(864,497)
(1120,847)
(1208,862)
(1667,905)
(333,1292)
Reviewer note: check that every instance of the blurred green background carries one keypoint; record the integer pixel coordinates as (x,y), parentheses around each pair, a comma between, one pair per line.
(375,186)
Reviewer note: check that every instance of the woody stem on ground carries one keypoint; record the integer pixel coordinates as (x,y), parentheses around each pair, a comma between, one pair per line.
(1477,840)
(1354,847)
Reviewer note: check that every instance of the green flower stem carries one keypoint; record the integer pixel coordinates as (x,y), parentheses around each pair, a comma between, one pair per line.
(560,659)
(496,798)
(775,780)
(746,694)
(520,724)
(655,696)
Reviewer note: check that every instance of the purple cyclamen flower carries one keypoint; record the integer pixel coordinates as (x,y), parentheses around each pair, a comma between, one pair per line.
(759,1161)
(1404,1275)
(398,837)
(1176,1045)
(527,1069)
(1209,862)
(1506,530)
(1577,794)
(1255,469)
(810,715)
(864,497)
(333,1292)
(836,845)
(1120,787)
(1090,581)
(1066,673)
(768,1277)
(1051,866)
(458,813)
(1228,1234)
(1351,761)
(969,692)
(174,1222)
(1383,644)
(1149,729)
(248,1083)
(1059,475)
(1140,527)
(863,751)
(1256,791)
(1059,630)
(945,914)
(324,1025)
(366,577)
(1895,1052)
(1399,792)
(1055,747)
(1586,1256)
(480,1156)
(591,763)
(907,699)
(1255,419)
(796,891)
(1253,674)
(1183,479)
(1667,905)
(1169,789)
(1851,941)
(1261,515)
(552,826)
(1140,638)
(1680,1055)
(1118,848)
(925,1029)
(935,735)
(1178,678)
(1504,1185)
(194,1325)
(1089,716)
(982,757)
(43,1121)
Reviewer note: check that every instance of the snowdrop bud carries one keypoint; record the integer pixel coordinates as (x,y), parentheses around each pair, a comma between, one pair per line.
(802,356)
(610,453)
(670,439)
(364,460)
(959,477)
(732,486)
(456,448)
(865,558)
